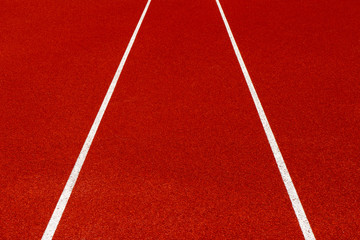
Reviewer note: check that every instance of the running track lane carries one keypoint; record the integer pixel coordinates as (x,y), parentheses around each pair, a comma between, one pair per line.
(180,152)
(57,60)
(304,60)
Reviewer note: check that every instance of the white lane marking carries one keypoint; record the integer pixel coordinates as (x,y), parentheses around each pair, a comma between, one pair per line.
(60,207)
(295,200)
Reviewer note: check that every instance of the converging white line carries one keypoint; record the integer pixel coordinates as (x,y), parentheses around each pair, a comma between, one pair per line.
(295,200)
(61,204)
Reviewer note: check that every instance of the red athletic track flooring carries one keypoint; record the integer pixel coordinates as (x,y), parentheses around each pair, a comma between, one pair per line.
(57,61)
(304,59)
(180,153)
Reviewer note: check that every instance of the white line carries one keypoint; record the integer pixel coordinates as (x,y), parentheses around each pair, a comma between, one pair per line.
(295,200)
(60,207)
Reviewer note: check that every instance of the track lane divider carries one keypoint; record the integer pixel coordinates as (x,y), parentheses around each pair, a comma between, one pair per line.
(295,200)
(62,202)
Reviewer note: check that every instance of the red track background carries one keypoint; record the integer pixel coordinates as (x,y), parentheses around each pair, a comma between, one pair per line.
(304,59)
(180,153)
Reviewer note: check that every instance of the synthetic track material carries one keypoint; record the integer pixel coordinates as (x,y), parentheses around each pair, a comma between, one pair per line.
(57,60)
(180,153)
(64,198)
(296,203)
(304,60)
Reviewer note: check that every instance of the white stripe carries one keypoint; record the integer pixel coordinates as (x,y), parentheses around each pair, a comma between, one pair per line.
(299,211)
(60,207)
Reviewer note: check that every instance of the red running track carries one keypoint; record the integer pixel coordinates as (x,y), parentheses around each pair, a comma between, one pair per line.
(56,63)
(304,59)
(180,153)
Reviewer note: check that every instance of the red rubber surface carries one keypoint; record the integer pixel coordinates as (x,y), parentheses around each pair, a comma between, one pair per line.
(180,152)
(304,60)
(57,61)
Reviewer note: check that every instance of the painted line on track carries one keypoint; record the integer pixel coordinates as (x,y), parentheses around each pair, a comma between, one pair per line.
(61,204)
(295,200)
